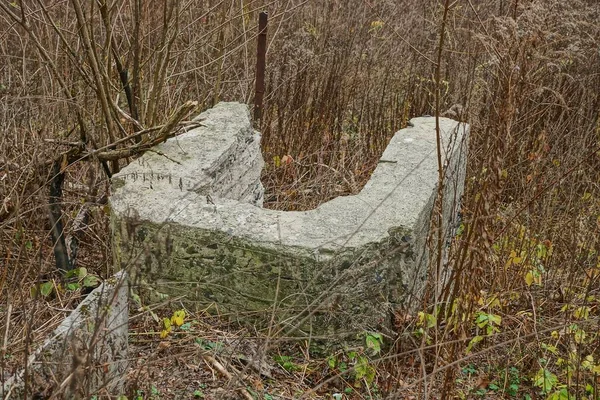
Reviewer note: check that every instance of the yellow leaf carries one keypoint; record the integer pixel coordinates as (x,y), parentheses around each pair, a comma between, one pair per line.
(164,334)
(517,260)
(582,313)
(377,24)
(178,317)
(529,278)
(472,343)
(167,323)
(580,336)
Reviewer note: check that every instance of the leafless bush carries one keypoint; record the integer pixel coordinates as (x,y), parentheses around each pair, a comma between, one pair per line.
(85,86)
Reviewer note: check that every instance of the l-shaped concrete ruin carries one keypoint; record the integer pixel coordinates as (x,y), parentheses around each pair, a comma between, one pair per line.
(188,221)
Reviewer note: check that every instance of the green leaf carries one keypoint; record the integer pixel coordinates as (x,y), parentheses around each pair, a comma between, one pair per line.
(427,320)
(46,288)
(91,281)
(72,273)
(73,286)
(561,394)
(136,299)
(360,369)
(331,362)
(482,320)
(545,380)
(209,344)
(495,319)
(374,341)
(473,342)
(186,326)
(589,389)
(552,349)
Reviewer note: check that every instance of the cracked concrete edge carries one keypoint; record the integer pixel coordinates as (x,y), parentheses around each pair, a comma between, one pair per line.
(99,322)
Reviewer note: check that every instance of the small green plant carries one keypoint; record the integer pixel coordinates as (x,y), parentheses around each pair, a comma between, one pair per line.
(545,380)
(425,322)
(363,370)
(374,342)
(488,321)
(76,279)
(44,289)
(562,394)
(513,381)
(198,394)
(469,370)
(79,277)
(209,344)
(287,363)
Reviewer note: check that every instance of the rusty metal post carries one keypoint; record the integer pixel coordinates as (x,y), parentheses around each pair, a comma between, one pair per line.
(261,50)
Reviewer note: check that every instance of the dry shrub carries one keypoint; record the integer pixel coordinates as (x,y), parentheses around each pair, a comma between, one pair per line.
(342,77)
(529,252)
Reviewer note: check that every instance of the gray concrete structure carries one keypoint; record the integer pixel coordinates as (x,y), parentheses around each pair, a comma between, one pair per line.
(187,222)
(86,355)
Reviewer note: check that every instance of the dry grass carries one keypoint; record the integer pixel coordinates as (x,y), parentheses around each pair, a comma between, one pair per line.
(342,77)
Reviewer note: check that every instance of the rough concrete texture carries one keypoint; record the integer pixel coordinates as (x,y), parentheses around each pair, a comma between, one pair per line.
(337,270)
(86,355)
(221,159)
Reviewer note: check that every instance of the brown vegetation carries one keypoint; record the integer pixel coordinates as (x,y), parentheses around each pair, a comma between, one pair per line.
(84,86)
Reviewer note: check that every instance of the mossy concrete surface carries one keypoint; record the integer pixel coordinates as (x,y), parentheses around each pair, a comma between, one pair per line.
(187,222)
(86,355)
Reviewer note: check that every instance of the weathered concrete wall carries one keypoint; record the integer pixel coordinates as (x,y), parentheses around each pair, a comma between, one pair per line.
(187,220)
(86,354)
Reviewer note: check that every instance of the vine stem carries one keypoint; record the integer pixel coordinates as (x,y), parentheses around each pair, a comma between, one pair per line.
(438,219)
